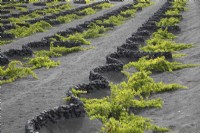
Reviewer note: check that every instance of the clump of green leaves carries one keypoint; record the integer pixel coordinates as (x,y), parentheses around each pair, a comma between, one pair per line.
(129,12)
(14,71)
(66,6)
(25,17)
(130,124)
(163,34)
(68,18)
(50,53)
(4,42)
(105,5)
(26,31)
(59,51)
(22,9)
(78,37)
(172,12)
(94,31)
(88,11)
(41,61)
(144,85)
(178,55)
(159,64)
(52,3)
(115,20)
(64,50)
(160,45)
(179,4)
(143,3)
(168,21)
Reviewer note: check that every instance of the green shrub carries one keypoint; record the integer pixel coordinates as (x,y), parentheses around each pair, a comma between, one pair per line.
(172,12)
(26,31)
(161,45)
(178,55)
(168,21)
(143,3)
(115,20)
(67,18)
(159,64)
(105,5)
(78,37)
(50,53)
(163,34)
(22,9)
(2,42)
(179,4)
(130,124)
(41,61)
(130,12)
(14,71)
(94,31)
(88,11)
(64,50)
(25,17)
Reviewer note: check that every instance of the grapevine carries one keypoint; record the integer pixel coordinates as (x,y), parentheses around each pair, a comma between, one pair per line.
(14,71)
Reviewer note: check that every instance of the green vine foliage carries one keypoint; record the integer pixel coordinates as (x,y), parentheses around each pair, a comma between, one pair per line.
(168,21)
(173,12)
(105,5)
(163,34)
(14,71)
(26,31)
(64,50)
(144,85)
(88,11)
(2,42)
(159,64)
(22,9)
(24,18)
(41,61)
(156,44)
(67,18)
(130,124)
(129,12)
(179,4)
(115,20)
(143,3)
(47,53)
(94,31)
(178,55)
(52,3)
(54,10)
(78,37)
(77,92)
